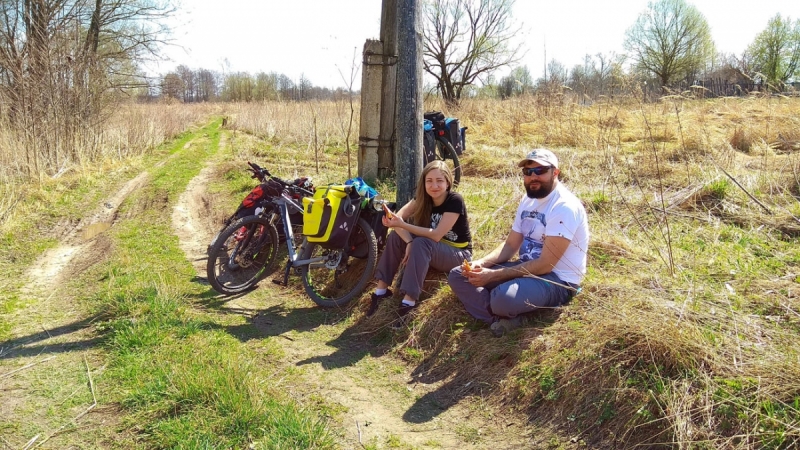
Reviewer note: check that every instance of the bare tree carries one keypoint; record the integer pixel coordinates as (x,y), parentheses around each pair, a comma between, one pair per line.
(207,85)
(465,40)
(188,77)
(670,40)
(172,86)
(776,51)
(63,61)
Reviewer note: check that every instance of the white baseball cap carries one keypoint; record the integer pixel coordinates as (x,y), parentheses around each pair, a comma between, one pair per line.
(542,156)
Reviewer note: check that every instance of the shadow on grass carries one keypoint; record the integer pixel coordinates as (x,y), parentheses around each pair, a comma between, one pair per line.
(463,359)
(21,346)
(351,347)
(278,320)
(468,361)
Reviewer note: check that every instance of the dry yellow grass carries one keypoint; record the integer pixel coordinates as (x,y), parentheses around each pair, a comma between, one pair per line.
(130,130)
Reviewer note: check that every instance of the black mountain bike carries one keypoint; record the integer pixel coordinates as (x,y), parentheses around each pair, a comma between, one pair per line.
(240,254)
(331,276)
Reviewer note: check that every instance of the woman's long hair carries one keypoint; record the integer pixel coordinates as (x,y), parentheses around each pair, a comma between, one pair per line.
(422,216)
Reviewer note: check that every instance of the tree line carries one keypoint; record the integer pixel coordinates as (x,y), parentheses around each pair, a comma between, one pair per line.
(466,42)
(203,85)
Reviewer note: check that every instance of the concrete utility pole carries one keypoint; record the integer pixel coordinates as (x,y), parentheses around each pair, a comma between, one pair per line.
(408,154)
(386,140)
(370,126)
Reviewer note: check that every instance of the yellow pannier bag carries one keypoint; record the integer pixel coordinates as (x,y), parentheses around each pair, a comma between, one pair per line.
(330,215)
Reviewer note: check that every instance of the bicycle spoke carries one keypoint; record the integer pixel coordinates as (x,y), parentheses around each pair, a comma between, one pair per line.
(241,255)
(343,275)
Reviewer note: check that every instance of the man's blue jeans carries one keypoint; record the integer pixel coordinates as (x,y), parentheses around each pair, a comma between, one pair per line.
(512,297)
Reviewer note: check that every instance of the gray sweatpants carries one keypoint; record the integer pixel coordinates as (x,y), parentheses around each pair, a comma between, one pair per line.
(425,253)
(510,298)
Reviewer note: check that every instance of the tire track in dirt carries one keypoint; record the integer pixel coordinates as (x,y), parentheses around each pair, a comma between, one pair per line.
(187,220)
(80,242)
(191,216)
(57,326)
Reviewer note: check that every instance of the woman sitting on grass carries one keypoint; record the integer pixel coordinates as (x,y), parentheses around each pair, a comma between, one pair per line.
(441,239)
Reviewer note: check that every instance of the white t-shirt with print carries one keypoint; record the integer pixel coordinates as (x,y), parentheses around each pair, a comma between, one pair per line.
(558,214)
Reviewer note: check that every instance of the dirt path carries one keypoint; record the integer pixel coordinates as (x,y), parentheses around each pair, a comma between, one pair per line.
(80,244)
(380,401)
(45,372)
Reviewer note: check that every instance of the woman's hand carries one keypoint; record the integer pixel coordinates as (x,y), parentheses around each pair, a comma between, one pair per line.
(394,222)
(408,252)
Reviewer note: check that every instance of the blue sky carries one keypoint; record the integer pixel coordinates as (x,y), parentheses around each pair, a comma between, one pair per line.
(318,38)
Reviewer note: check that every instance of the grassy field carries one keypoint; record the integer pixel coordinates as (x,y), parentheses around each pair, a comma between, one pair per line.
(685,335)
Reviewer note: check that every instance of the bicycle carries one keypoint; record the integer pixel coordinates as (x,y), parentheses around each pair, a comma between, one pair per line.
(242,252)
(443,140)
(331,276)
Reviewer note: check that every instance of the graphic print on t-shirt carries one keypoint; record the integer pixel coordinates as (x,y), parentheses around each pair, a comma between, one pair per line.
(534,240)
(435,219)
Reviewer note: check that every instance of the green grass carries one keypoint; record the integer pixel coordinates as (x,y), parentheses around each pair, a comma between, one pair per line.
(187,382)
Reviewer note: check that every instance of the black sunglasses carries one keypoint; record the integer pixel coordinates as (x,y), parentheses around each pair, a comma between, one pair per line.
(538,170)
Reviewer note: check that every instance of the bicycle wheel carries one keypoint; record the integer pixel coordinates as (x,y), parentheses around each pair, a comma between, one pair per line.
(445,151)
(239,256)
(343,274)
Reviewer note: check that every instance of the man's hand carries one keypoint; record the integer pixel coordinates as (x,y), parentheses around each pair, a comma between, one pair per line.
(480,276)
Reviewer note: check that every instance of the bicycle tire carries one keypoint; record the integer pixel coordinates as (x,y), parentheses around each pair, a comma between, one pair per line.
(241,254)
(445,151)
(337,281)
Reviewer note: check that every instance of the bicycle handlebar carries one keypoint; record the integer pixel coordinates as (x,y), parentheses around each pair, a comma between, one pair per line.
(288,185)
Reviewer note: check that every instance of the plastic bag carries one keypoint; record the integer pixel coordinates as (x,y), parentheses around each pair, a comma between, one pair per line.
(364,190)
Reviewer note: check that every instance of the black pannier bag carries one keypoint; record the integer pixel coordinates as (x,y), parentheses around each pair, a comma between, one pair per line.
(437,118)
(374,218)
(454,135)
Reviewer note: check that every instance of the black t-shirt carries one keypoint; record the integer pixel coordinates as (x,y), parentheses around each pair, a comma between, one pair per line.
(459,236)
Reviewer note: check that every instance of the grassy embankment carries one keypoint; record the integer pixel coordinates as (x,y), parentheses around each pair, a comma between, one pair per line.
(686,333)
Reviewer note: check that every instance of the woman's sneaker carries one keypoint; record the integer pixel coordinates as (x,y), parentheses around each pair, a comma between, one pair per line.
(375,301)
(403,311)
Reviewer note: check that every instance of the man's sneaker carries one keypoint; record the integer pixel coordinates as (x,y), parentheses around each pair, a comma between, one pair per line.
(375,301)
(503,326)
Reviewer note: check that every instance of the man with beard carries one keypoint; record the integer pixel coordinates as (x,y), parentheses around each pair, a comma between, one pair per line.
(551,234)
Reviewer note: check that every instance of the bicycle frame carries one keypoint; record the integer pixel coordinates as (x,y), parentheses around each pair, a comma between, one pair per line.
(284,203)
